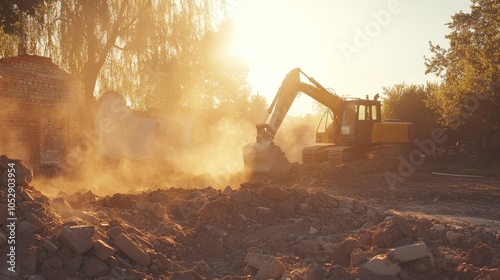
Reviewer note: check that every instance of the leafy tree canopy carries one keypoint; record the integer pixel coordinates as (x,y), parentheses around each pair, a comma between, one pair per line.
(468,99)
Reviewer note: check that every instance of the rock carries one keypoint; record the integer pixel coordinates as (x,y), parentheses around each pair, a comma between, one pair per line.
(114,232)
(227,190)
(307,248)
(26,195)
(4,213)
(77,238)
(339,255)
(27,260)
(350,244)
(144,206)
(453,237)
(272,270)
(27,227)
(36,277)
(74,263)
(312,230)
(159,211)
(241,196)
(102,250)
(95,268)
(403,226)
(357,257)
(257,260)
(480,255)
(410,252)
(51,247)
(132,250)
(275,193)
(381,265)
(495,273)
(3,238)
(386,236)
(437,231)
(60,205)
(30,217)
(216,231)
(365,238)
(187,212)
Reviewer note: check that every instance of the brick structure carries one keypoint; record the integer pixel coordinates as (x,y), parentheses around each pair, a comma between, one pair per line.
(38,110)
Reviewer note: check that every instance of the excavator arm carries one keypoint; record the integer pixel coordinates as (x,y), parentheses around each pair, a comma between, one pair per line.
(265,157)
(283,100)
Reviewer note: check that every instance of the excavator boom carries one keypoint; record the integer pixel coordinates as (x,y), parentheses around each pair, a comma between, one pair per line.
(263,156)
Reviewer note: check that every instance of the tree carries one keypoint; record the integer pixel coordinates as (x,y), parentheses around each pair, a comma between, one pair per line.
(407,102)
(467,101)
(18,19)
(206,76)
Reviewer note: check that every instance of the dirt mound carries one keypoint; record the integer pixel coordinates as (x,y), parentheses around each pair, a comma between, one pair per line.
(322,222)
(263,230)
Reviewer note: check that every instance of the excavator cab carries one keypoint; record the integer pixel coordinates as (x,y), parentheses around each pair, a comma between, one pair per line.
(353,127)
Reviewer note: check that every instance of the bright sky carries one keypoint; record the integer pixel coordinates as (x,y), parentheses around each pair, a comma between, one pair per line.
(355,47)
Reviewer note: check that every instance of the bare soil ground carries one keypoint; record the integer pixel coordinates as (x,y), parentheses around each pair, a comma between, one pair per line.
(321,222)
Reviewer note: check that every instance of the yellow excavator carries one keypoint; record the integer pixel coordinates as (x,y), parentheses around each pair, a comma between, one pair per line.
(350,129)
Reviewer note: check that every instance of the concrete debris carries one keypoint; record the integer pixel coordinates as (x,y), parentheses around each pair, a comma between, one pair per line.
(102,250)
(410,252)
(132,250)
(77,238)
(381,265)
(293,231)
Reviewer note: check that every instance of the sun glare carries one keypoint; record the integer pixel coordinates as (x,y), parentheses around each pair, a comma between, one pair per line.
(273,37)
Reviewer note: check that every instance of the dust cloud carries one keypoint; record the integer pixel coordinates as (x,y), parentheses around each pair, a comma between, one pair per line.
(131,151)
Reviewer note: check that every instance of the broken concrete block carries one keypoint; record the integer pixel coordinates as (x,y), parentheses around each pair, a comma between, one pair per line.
(159,211)
(307,248)
(77,238)
(60,204)
(114,232)
(27,227)
(241,196)
(4,214)
(132,250)
(51,247)
(410,252)
(227,190)
(26,195)
(257,260)
(102,250)
(357,257)
(453,237)
(95,268)
(272,270)
(30,217)
(74,264)
(3,238)
(381,265)
(144,206)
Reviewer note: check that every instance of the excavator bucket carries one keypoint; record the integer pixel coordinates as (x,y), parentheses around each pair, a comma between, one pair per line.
(265,159)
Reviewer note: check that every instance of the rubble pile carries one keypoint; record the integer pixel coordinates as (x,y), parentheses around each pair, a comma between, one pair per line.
(263,230)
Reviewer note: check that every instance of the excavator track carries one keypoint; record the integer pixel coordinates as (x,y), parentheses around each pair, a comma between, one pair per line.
(340,154)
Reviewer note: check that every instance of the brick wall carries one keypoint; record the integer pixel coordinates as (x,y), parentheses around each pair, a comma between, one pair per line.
(38,110)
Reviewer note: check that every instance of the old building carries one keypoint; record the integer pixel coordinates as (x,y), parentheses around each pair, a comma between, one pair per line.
(38,110)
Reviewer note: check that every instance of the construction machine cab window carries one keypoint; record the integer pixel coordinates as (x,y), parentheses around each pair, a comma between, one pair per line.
(349,119)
